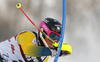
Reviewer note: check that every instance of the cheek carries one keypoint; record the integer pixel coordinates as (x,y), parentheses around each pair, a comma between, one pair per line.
(50,44)
(48,41)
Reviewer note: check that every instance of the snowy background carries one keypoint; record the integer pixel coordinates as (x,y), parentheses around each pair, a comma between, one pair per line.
(82,24)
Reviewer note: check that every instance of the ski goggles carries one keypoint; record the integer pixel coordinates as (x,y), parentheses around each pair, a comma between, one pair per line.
(52,34)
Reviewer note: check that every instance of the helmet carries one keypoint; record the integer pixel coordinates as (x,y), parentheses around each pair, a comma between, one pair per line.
(53,24)
(52,28)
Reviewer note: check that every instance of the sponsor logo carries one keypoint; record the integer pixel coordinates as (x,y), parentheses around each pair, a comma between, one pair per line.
(34,41)
(5,57)
(12,47)
(45,27)
(46,21)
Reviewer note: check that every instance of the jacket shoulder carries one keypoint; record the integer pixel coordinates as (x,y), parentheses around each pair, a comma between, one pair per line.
(27,37)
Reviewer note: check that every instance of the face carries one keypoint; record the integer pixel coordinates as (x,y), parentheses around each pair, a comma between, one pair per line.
(52,34)
(50,44)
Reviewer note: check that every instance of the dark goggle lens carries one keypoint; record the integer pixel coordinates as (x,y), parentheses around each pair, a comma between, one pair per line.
(54,36)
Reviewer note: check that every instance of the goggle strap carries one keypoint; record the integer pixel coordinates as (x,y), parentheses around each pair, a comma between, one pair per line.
(45,28)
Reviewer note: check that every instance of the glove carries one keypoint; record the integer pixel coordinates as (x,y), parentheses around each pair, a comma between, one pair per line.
(65,50)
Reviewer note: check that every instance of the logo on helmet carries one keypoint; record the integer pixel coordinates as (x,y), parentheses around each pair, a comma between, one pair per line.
(46,21)
(55,20)
(58,27)
(45,27)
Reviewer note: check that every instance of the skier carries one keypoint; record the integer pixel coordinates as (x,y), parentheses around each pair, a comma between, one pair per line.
(28,46)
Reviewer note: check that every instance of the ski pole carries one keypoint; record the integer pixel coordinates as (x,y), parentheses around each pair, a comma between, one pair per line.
(62,31)
(19,6)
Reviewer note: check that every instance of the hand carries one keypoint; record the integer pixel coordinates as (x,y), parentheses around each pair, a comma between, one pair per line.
(65,50)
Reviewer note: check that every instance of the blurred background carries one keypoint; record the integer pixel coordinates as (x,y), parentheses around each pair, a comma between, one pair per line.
(82,25)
